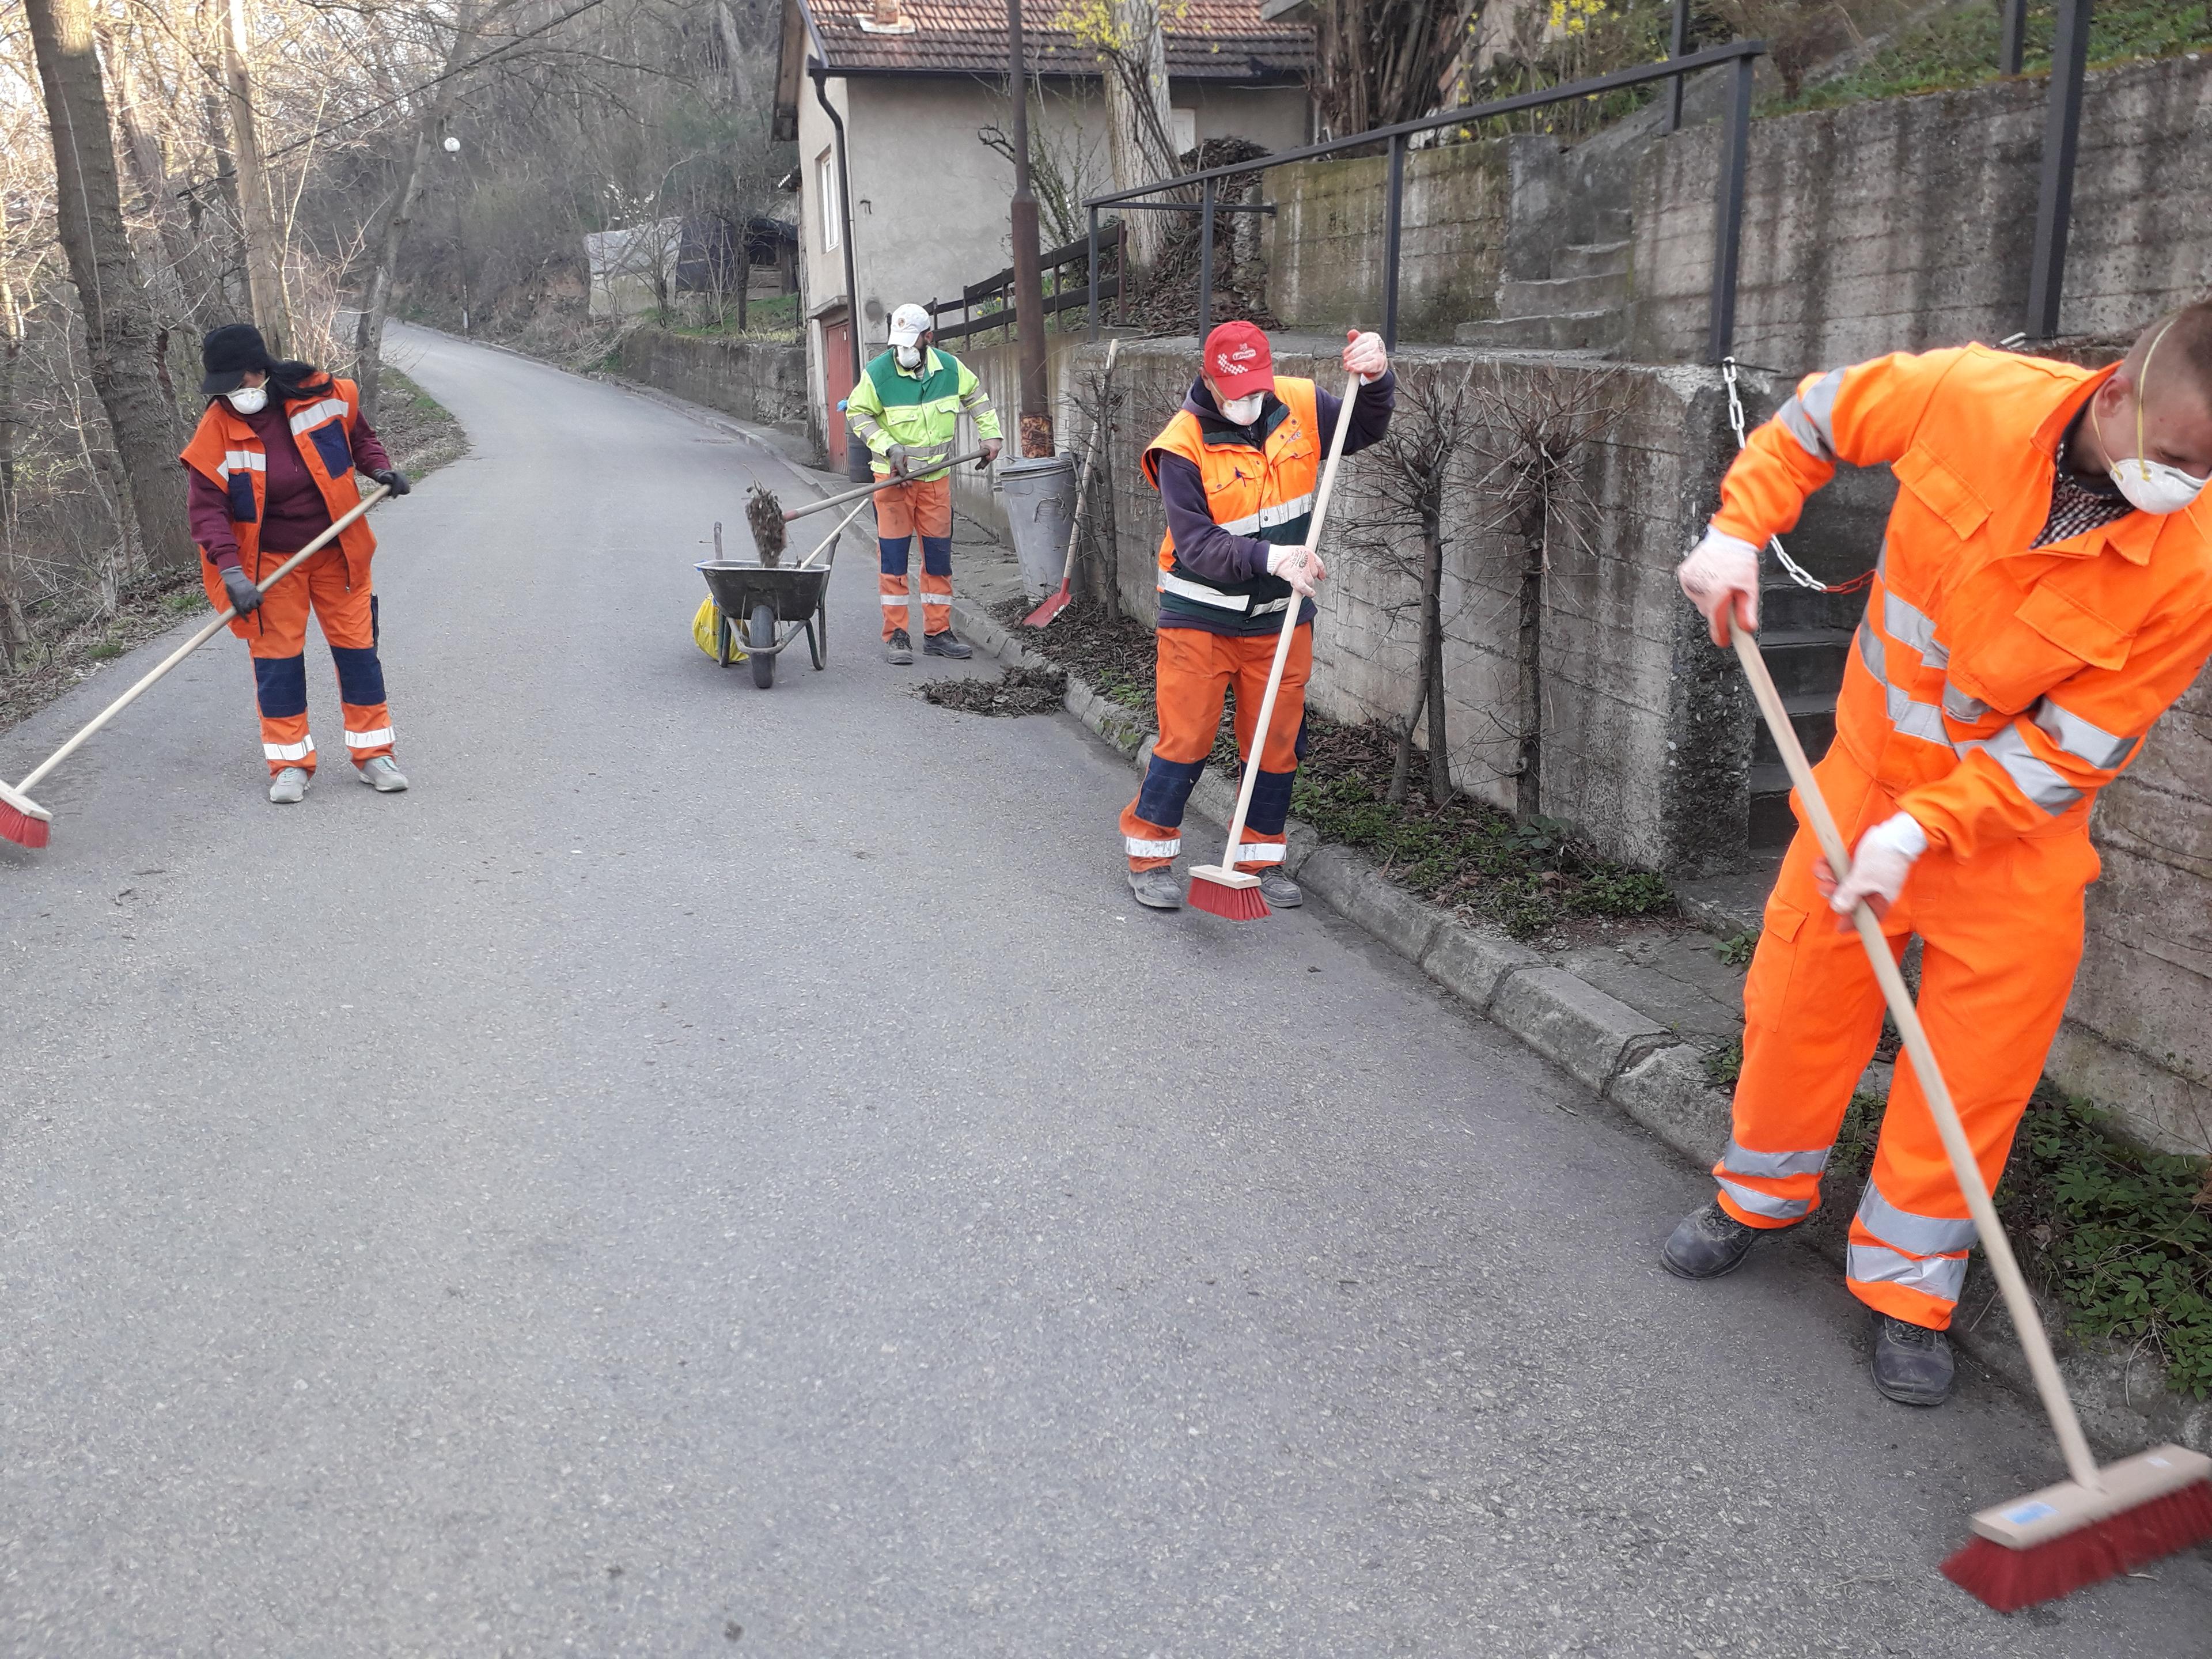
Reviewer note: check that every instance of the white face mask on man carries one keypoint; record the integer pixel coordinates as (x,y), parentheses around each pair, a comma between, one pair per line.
(1243,411)
(248,399)
(2150,486)
(908,357)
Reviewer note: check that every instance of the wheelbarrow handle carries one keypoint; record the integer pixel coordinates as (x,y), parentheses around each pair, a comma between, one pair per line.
(843,496)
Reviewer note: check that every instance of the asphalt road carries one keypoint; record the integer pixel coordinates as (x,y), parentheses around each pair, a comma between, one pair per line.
(711,1171)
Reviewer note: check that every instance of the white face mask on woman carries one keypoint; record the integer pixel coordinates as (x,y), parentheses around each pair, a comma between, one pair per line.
(248,399)
(1243,411)
(2150,486)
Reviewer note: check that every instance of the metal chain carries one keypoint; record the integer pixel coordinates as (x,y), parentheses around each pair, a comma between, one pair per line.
(1797,572)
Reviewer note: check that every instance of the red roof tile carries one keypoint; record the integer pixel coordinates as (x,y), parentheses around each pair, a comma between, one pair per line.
(1210,40)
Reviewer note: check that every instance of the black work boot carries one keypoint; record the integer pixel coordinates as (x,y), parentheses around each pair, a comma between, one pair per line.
(1911,1364)
(1709,1242)
(946,644)
(898,648)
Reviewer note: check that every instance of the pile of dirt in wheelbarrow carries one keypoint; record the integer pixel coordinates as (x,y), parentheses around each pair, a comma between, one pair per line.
(1018,691)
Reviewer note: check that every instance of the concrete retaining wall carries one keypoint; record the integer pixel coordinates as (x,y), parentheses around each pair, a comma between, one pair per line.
(752,380)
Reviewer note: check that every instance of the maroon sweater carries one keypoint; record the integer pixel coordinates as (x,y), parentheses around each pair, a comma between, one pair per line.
(293,511)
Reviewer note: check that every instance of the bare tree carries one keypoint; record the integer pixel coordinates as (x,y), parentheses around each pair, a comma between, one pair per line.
(118,322)
(1130,42)
(264,244)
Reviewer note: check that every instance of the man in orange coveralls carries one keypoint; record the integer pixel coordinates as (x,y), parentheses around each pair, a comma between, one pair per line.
(1236,470)
(2045,592)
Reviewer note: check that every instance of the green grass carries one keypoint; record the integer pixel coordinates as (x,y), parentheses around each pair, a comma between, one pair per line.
(1959,48)
(775,319)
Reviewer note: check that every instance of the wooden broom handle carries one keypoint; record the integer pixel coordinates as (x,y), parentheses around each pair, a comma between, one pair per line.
(2026,1319)
(196,641)
(1290,625)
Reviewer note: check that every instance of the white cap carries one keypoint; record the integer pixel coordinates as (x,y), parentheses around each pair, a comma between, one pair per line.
(909,324)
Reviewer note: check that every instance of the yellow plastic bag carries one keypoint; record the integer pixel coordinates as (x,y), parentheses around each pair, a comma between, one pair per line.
(706,628)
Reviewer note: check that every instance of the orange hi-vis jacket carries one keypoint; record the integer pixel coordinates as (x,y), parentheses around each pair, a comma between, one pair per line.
(227,451)
(1265,494)
(1994,689)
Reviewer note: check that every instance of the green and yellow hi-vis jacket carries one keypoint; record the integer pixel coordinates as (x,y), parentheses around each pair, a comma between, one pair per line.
(920,410)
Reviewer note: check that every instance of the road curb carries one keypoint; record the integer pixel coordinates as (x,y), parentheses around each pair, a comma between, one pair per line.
(1631,1060)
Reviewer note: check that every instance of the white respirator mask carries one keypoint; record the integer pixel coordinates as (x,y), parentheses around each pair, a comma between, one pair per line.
(1243,411)
(909,357)
(248,399)
(2150,486)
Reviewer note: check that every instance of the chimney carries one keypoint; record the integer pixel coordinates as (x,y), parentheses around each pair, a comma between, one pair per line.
(888,15)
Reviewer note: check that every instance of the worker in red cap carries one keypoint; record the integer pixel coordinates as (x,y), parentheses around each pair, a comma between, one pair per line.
(1236,470)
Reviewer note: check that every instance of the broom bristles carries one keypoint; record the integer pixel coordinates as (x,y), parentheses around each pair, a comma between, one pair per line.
(2009,1579)
(24,829)
(1230,903)
(764,514)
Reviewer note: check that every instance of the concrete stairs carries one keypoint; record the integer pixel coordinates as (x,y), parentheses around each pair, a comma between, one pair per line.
(1582,306)
(1806,637)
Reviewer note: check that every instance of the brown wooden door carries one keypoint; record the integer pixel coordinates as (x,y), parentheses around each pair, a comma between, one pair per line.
(837,379)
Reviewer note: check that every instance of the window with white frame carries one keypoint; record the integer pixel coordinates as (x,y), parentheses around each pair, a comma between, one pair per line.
(833,219)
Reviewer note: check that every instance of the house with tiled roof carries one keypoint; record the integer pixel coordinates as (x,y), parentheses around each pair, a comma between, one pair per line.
(920,202)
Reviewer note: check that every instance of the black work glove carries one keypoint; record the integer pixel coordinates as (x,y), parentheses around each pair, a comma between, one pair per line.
(245,597)
(393,480)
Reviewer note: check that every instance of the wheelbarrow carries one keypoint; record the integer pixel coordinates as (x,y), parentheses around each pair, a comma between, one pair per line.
(765,607)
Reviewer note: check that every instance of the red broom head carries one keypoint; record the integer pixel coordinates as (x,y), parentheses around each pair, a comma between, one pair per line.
(21,828)
(2009,1579)
(1230,903)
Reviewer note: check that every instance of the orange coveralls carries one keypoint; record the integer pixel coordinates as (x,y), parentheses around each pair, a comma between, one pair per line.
(1993,690)
(334,583)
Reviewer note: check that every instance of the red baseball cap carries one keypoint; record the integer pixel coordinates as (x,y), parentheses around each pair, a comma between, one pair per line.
(1237,357)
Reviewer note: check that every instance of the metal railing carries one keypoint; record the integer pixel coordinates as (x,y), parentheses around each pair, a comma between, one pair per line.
(998,287)
(1728,222)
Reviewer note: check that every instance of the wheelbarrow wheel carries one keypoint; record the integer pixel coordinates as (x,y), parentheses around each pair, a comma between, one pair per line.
(726,639)
(764,644)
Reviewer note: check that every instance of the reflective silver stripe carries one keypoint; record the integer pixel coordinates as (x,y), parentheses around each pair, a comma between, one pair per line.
(241,460)
(895,601)
(1794,419)
(1765,1203)
(1940,1276)
(1259,852)
(290,752)
(1923,721)
(2035,777)
(368,739)
(1960,706)
(1741,1160)
(1907,622)
(1923,1235)
(1152,850)
(2080,739)
(329,409)
(1870,652)
(1172,583)
(1818,401)
(1267,517)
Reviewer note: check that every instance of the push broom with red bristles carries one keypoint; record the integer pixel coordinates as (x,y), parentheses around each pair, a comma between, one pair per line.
(2101,1522)
(1222,889)
(26,823)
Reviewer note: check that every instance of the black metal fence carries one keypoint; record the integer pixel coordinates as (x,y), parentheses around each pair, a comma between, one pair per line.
(1740,56)
(994,295)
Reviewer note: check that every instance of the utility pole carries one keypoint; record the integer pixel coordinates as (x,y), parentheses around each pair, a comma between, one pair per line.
(264,272)
(1028,280)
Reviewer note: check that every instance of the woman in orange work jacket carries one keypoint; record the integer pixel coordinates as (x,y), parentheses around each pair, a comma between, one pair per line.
(271,467)
(2044,593)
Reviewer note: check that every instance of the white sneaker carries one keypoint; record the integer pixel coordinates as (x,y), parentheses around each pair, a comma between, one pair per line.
(288,786)
(382,775)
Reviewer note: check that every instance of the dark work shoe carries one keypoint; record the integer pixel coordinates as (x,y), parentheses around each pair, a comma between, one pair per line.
(1911,1364)
(898,648)
(1709,1243)
(1280,891)
(1157,889)
(947,644)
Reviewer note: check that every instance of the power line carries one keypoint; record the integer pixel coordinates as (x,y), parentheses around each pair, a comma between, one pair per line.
(416,92)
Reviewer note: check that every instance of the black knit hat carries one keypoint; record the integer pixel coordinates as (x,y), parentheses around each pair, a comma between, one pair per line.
(227,352)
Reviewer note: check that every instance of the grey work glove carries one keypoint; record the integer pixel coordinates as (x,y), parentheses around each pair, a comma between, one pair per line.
(393,480)
(991,448)
(245,597)
(897,456)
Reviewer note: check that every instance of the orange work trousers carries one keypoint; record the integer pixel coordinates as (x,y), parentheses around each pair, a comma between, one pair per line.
(1195,670)
(2001,937)
(901,510)
(276,634)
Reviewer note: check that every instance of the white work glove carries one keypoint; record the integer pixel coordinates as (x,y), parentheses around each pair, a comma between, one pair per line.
(1883,858)
(1722,569)
(1364,356)
(1303,570)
